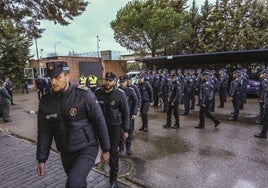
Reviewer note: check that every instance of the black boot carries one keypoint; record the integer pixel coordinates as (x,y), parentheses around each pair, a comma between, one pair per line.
(141,129)
(166,126)
(200,127)
(128,151)
(113,184)
(217,123)
(261,135)
(233,118)
(176,126)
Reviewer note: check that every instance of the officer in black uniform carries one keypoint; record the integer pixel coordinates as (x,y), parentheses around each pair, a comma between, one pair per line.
(222,86)
(214,81)
(146,97)
(236,94)
(165,81)
(180,79)
(188,89)
(198,83)
(73,117)
(156,87)
(261,93)
(264,101)
(206,97)
(244,78)
(137,91)
(173,103)
(114,106)
(192,94)
(132,100)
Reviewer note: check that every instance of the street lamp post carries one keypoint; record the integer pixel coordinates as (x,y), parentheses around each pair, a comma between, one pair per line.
(41,69)
(56,47)
(98,46)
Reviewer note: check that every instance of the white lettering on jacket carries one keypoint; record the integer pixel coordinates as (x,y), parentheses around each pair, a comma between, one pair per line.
(51,116)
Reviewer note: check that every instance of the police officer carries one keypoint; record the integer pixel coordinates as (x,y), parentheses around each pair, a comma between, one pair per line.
(173,103)
(261,93)
(92,81)
(206,96)
(137,91)
(198,83)
(132,100)
(5,101)
(9,87)
(146,92)
(180,79)
(165,89)
(82,80)
(222,86)
(74,119)
(188,89)
(236,94)
(214,81)
(156,87)
(244,78)
(114,106)
(39,86)
(192,94)
(264,101)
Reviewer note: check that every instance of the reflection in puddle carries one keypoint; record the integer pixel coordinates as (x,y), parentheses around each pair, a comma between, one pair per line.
(244,184)
(165,146)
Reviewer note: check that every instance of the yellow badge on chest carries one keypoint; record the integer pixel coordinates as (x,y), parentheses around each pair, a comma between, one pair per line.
(73,111)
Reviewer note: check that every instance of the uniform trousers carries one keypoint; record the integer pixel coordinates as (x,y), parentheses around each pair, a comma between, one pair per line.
(156,95)
(144,113)
(115,132)
(222,96)
(129,138)
(265,121)
(186,102)
(77,165)
(5,111)
(236,104)
(165,100)
(205,111)
(175,110)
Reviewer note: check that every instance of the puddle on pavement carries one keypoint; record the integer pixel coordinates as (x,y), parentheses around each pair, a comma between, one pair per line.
(165,146)
(22,100)
(210,152)
(16,107)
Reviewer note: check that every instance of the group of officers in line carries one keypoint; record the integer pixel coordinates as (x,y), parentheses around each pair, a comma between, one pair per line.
(79,119)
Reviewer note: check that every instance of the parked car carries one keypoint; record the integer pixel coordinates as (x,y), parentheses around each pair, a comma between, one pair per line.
(252,87)
(134,76)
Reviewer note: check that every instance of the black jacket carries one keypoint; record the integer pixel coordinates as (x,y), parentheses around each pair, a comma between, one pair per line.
(175,92)
(146,92)
(132,99)
(75,120)
(114,107)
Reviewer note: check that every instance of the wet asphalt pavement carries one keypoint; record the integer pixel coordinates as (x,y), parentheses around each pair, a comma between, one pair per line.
(227,156)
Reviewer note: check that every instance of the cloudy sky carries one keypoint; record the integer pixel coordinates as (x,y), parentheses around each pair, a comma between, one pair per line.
(81,35)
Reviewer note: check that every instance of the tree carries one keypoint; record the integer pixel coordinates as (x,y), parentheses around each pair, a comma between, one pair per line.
(205,35)
(26,14)
(147,27)
(19,21)
(14,50)
(233,25)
